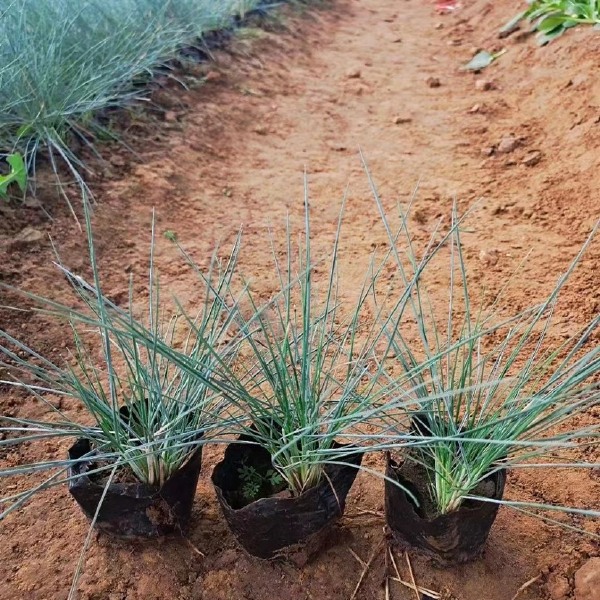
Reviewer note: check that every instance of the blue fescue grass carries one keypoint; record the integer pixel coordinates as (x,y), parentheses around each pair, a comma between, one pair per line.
(62,61)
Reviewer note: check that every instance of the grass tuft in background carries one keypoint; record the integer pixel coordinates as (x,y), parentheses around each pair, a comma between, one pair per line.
(63,61)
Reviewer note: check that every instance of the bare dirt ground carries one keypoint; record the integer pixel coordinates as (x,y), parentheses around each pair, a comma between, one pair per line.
(232,153)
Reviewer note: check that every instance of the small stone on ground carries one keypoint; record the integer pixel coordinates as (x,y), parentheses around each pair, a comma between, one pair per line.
(587,581)
(507,144)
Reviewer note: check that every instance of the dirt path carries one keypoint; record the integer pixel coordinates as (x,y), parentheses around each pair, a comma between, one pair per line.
(232,153)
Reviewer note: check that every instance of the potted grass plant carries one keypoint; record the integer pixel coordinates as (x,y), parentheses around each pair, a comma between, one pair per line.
(134,465)
(517,406)
(283,483)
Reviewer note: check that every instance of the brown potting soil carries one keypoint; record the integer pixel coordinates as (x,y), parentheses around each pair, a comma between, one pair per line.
(522,136)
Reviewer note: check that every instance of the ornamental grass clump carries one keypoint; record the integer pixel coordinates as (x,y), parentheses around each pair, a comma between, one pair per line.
(305,375)
(64,62)
(489,393)
(522,396)
(143,417)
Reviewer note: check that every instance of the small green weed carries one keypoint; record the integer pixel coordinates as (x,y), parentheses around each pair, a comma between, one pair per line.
(16,175)
(254,482)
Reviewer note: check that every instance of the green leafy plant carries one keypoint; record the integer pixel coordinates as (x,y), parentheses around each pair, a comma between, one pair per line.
(17,175)
(552,18)
(254,482)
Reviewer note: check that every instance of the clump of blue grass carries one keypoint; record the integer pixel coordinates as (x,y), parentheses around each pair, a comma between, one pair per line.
(141,411)
(63,61)
(520,397)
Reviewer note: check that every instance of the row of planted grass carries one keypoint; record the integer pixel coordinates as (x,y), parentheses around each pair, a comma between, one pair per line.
(63,61)
(304,372)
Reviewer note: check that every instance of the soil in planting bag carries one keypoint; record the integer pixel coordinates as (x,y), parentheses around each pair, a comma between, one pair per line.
(280,525)
(451,538)
(134,510)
